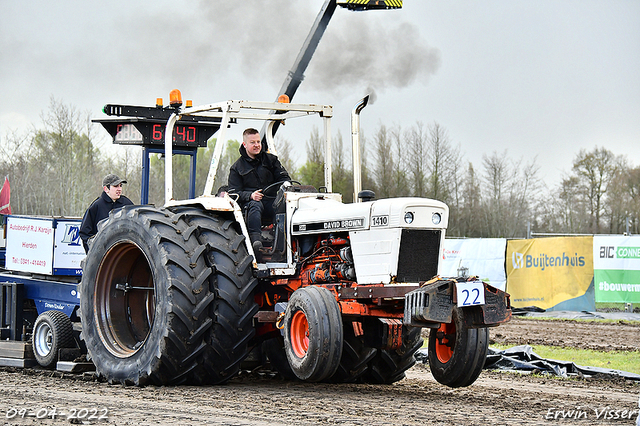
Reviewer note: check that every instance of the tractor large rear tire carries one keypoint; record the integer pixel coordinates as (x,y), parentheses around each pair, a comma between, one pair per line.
(234,287)
(274,350)
(457,353)
(150,298)
(313,333)
(355,356)
(389,365)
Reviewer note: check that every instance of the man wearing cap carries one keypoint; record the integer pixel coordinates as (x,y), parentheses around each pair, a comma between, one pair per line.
(110,199)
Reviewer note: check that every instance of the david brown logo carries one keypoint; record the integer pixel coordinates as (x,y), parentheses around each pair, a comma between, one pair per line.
(71,235)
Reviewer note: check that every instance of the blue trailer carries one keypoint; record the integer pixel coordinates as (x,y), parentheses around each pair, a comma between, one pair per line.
(40,269)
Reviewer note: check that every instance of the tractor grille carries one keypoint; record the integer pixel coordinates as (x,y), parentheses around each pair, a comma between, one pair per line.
(418,258)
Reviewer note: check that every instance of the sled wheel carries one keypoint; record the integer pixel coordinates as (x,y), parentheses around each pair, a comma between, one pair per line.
(52,331)
(355,357)
(148,298)
(389,365)
(456,352)
(274,350)
(313,333)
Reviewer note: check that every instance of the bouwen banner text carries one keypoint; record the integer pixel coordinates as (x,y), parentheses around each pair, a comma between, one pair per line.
(616,264)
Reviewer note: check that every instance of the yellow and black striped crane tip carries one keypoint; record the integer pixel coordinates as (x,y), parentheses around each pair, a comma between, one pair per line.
(370,4)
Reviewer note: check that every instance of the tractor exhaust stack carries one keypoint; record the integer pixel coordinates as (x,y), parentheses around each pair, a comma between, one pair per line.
(355,141)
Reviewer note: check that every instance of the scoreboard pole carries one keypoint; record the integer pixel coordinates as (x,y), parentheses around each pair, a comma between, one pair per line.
(146,169)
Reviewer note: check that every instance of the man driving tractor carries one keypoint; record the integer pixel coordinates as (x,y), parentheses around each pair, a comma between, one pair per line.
(248,176)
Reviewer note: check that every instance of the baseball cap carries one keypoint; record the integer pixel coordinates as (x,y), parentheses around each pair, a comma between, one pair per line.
(111,179)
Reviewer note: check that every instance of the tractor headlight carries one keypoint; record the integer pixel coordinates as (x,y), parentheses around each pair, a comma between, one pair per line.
(436,218)
(408,217)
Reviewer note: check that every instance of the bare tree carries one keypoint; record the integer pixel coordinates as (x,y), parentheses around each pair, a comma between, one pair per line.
(385,164)
(595,170)
(342,176)
(468,217)
(400,179)
(55,169)
(285,149)
(511,188)
(417,140)
(312,171)
(442,161)
(496,179)
(622,203)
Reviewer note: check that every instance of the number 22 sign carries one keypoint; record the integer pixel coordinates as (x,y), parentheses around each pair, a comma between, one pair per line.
(470,293)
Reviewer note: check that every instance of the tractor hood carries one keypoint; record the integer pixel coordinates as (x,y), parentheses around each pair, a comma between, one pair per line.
(321,214)
(392,240)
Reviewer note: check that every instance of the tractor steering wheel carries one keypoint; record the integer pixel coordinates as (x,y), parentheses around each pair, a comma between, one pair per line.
(274,185)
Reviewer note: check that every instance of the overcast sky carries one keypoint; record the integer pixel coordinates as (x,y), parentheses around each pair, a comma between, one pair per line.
(536,79)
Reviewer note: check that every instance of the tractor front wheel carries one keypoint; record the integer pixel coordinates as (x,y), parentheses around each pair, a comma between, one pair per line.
(313,333)
(456,352)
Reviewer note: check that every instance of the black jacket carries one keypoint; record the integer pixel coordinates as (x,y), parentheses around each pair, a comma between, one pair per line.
(97,211)
(248,174)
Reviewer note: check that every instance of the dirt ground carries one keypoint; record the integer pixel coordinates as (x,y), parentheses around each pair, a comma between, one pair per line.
(260,399)
(600,336)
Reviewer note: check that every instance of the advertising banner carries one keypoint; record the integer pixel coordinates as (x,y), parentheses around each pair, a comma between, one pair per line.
(616,268)
(29,245)
(68,251)
(482,257)
(546,272)
(45,246)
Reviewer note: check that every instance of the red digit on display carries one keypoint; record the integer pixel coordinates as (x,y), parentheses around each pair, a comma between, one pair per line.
(119,135)
(157,132)
(191,134)
(180,132)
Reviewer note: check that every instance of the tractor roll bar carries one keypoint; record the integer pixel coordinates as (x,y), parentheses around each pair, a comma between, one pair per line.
(229,112)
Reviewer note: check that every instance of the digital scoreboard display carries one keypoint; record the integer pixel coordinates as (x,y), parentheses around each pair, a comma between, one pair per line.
(153,134)
(145,126)
(150,132)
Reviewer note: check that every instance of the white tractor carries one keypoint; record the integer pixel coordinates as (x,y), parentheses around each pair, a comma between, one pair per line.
(174,294)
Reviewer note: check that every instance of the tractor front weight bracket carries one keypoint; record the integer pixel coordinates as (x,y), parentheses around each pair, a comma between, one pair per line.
(433,304)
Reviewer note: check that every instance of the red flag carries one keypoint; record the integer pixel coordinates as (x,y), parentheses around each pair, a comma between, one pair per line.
(5,197)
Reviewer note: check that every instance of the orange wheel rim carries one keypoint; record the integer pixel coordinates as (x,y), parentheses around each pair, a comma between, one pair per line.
(444,347)
(299,334)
